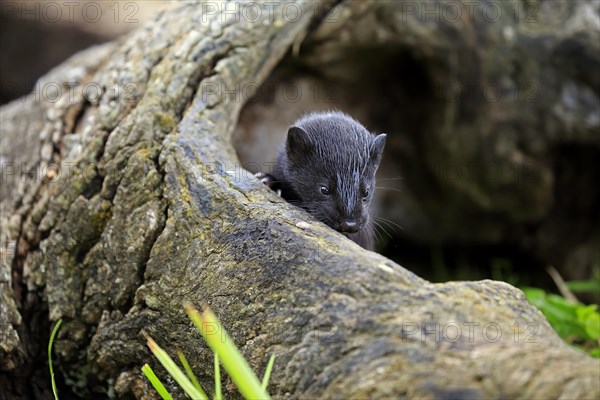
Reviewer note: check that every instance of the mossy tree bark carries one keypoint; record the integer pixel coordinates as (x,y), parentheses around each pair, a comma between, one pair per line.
(118,208)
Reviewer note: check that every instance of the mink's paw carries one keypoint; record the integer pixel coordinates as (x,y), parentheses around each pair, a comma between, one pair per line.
(266,179)
(269,181)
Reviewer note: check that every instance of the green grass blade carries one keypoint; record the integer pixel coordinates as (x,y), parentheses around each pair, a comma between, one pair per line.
(583,286)
(218,394)
(189,372)
(174,370)
(160,388)
(265,381)
(221,343)
(52,335)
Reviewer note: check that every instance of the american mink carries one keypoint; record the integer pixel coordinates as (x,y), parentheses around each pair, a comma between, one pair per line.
(328,168)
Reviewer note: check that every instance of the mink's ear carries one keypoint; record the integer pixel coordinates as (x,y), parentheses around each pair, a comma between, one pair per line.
(298,142)
(376,150)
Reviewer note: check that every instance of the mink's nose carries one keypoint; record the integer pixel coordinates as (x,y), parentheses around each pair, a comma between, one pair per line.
(348,226)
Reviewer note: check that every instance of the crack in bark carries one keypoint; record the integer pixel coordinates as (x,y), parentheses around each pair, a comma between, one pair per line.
(194,84)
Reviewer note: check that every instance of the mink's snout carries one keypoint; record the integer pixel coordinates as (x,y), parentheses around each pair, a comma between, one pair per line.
(349,226)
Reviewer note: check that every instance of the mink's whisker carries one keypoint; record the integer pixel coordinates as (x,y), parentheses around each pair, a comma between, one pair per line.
(382,228)
(388,188)
(388,222)
(372,231)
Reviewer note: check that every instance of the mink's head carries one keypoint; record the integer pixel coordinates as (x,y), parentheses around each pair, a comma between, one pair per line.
(330,162)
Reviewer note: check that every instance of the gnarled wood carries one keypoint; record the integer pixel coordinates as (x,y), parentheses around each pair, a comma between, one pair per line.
(154,212)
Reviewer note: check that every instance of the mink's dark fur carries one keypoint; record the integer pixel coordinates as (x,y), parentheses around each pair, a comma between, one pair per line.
(328,168)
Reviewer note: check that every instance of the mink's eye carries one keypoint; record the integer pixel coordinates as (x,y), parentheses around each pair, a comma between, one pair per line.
(366,194)
(324,191)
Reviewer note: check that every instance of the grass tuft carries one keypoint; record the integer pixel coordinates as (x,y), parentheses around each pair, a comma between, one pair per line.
(175,371)
(52,335)
(265,381)
(225,351)
(218,393)
(221,343)
(189,372)
(160,388)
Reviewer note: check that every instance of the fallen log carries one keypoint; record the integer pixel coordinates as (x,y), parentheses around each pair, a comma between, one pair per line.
(120,207)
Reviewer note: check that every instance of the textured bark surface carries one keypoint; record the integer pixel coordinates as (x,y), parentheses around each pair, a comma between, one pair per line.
(149,210)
